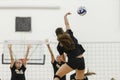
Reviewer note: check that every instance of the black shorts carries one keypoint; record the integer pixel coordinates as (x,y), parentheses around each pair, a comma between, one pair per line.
(76,63)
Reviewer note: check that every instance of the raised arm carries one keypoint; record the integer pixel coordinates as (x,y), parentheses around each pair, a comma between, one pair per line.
(51,53)
(11,55)
(66,20)
(26,55)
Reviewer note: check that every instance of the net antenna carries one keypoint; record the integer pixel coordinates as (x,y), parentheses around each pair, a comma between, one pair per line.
(36,53)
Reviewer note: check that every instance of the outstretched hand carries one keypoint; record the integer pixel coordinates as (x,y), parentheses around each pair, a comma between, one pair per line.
(29,46)
(68,13)
(9,45)
(47,42)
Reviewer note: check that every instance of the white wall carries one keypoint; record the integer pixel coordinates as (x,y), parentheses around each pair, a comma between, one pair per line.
(100,24)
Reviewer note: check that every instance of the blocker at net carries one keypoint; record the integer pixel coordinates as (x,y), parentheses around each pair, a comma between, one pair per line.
(36,54)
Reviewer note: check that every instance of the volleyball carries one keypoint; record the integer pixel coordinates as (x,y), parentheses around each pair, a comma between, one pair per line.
(81,11)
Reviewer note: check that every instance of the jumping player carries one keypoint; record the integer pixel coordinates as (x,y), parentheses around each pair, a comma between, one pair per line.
(18,66)
(69,44)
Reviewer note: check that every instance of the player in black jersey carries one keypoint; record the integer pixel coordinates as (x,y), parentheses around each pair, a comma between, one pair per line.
(56,63)
(69,44)
(18,66)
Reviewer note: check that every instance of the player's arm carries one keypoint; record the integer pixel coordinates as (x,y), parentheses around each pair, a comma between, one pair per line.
(26,55)
(66,20)
(11,55)
(51,53)
(63,57)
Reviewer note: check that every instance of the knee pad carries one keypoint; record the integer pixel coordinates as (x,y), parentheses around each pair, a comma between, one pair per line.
(56,76)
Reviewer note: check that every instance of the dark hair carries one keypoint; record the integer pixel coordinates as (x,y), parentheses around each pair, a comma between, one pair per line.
(66,41)
(59,31)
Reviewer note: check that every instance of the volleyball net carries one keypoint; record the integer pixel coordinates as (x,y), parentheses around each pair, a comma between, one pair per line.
(19,48)
(100,57)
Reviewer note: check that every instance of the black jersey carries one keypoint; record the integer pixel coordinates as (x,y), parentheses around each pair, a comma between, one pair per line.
(72,53)
(56,66)
(18,74)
